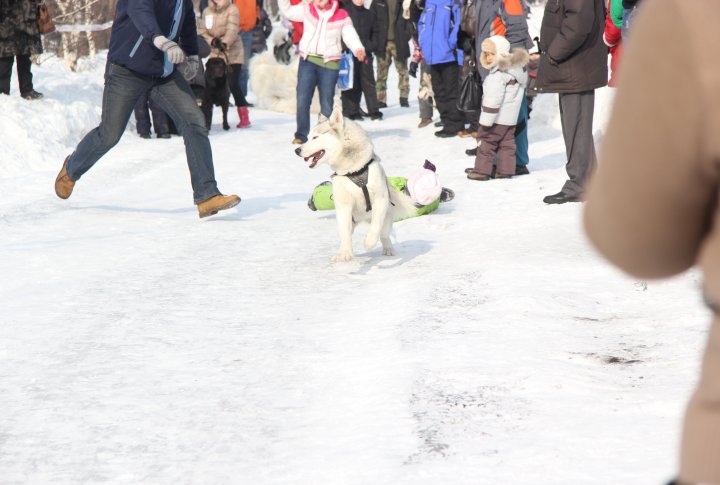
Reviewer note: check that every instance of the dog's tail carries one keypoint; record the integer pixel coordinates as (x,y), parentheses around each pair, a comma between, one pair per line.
(401,204)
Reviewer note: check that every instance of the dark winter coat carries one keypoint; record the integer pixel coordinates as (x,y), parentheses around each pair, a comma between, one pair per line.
(403,29)
(573,54)
(19,34)
(500,17)
(261,32)
(438,31)
(365,25)
(137,22)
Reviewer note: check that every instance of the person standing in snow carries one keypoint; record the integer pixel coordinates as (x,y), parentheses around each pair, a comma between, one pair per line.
(325,26)
(393,48)
(661,225)
(503,95)
(437,35)
(506,18)
(148,40)
(573,63)
(363,76)
(219,26)
(19,39)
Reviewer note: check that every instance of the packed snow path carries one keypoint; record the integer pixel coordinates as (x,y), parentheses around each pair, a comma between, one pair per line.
(139,344)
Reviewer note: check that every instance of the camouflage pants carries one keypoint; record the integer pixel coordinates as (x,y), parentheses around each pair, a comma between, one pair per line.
(383,66)
(425,93)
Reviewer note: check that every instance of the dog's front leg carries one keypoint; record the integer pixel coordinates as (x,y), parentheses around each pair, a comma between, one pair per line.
(377,219)
(345,224)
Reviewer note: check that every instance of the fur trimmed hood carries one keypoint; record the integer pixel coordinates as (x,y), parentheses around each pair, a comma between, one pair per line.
(505,58)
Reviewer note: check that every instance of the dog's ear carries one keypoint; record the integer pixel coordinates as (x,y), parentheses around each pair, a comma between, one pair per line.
(336,118)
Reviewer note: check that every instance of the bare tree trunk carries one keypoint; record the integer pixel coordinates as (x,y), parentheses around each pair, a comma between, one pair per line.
(73,14)
(89,18)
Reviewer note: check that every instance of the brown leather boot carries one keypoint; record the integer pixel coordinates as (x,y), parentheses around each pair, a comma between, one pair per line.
(217,203)
(63,183)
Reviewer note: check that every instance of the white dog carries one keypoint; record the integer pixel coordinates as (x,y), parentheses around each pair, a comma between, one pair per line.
(274,84)
(360,189)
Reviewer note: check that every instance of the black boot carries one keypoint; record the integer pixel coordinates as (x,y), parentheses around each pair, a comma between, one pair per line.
(404,103)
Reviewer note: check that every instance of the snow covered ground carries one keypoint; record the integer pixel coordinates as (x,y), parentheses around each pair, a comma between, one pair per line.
(139,344)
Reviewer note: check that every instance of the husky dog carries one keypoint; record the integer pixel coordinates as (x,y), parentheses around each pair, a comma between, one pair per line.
(360,188)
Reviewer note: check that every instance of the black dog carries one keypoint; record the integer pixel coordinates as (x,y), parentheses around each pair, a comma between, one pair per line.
(216,90)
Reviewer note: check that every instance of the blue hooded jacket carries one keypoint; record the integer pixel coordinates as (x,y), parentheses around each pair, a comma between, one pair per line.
(138,21)
(438,31)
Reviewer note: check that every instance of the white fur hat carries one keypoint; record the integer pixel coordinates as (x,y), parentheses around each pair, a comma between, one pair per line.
(497,44)
(424,185)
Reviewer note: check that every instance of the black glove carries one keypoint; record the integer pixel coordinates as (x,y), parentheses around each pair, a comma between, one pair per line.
(217,43)
(413,69)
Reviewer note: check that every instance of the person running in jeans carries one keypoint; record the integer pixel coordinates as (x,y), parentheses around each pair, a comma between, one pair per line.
(142,56)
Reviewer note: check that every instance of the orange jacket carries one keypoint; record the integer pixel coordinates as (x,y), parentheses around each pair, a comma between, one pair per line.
(249,13)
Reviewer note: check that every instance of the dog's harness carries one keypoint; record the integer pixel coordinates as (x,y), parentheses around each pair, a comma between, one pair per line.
(360,178)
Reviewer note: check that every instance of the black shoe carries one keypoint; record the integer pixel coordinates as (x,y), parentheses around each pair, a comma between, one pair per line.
(144,135)
(33,95)
(439,124)
(404,103)
(446,195)
(561,198)
(163,135)
(355,117)
(363,114)
(376,116)
(471,152)
(382,104)
(521,170)
(446,134)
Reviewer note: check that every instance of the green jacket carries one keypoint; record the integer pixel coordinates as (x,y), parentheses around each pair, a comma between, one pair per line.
(616,12)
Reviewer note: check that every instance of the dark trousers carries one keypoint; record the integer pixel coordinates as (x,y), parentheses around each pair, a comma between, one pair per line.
(23,71)
(498,139)
(235,83)
(445,86)
(123,87)
(576,116)
(363,84)
(160,120)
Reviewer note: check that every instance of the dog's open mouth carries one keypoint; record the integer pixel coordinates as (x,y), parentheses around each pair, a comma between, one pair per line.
(315,158)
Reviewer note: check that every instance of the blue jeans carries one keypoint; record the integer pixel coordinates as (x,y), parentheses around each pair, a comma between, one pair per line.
(521,140)
(123,88)
(311,76)
(628,14)
(247,40)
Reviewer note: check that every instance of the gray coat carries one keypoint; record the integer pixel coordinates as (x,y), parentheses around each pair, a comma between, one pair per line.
(19,34)
(573,54)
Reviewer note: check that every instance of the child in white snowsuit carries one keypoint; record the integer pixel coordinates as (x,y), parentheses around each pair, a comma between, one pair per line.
(503,92)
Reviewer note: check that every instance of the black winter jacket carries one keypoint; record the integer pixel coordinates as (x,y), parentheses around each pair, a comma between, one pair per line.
(573,54)
(365,25)
(403,29)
